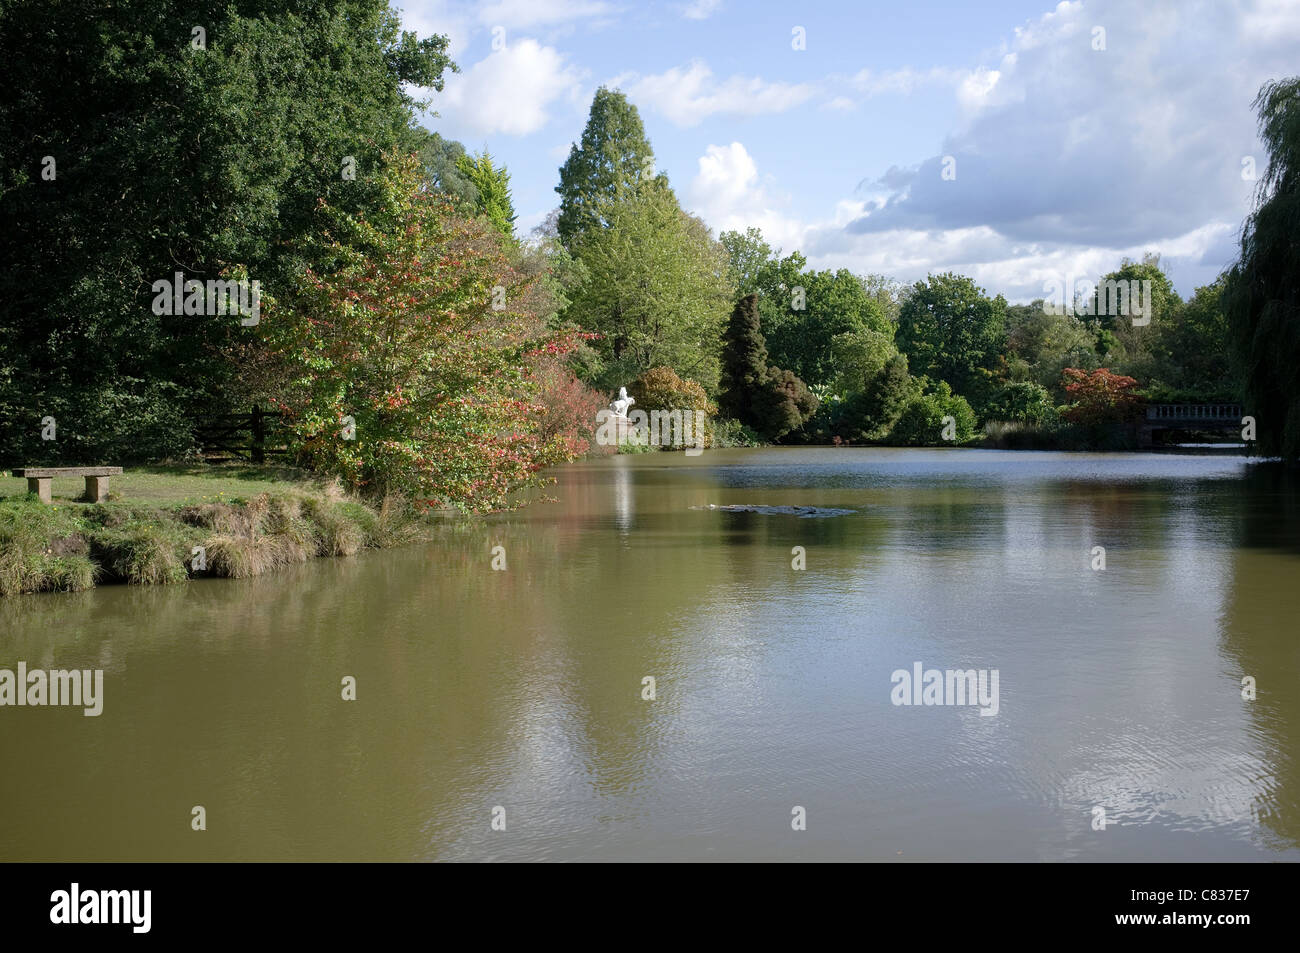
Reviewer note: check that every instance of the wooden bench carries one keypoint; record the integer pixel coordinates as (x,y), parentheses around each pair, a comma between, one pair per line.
(38,480)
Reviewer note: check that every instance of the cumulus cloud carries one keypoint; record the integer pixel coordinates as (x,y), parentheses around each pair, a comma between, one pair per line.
(1018,270)
(688,95)
(1140,142)
(728,193)
(510,91)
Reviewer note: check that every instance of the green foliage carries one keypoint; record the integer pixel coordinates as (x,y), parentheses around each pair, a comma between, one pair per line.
(783,404)
(68,548)
(613,157)
(859,357)
(138,553)
(744,361)
(403,336)
(870,415)
(834,303)
(1100,308)
(492,185)
(802,313)
(30,534)
(770,401)
(1021,401)
(922,422)
(888,295)
(951,331)
(728,432)
(1040,346)
(170,158)
(1135,348)
(1195,360)
(747,256)
(1262,293)
(654,288)
(441,160)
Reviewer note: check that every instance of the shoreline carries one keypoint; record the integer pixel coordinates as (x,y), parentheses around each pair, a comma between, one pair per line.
(258,521)
(176,533)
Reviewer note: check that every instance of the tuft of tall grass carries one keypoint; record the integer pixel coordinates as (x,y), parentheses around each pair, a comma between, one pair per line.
(237,557)
(141,554)
(395,524)
(72,573)
(338,531)
(41,551)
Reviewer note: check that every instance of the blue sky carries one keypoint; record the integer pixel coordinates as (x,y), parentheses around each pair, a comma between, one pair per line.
(1072,135)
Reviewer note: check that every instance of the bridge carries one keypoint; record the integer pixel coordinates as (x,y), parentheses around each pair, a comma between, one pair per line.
(1189,419)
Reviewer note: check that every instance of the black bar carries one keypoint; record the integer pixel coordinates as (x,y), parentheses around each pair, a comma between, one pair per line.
(979,903)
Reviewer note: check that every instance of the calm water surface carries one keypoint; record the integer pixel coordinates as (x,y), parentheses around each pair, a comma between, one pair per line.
(522,689)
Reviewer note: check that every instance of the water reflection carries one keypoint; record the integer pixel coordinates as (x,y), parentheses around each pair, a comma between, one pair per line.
(523,688)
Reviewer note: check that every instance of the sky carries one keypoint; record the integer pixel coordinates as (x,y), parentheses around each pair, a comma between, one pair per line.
(1017,142)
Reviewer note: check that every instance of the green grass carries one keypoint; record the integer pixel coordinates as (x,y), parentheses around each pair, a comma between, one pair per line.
(176,484)
(249,521)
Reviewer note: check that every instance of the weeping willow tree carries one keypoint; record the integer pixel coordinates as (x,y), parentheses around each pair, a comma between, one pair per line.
(1262,297)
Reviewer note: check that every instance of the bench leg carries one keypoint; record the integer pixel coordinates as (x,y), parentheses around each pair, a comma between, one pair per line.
(41,487)
(96,489)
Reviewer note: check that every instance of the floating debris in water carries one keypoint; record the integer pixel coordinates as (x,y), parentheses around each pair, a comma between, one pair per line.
(803,512)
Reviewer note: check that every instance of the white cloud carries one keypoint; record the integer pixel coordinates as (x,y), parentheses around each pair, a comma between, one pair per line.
(701,9)
(689,95)
(728,194)
(1003,265)
(428,17)
(460,21)
(509,91)
(839,104)
(1077,157)
(974,89)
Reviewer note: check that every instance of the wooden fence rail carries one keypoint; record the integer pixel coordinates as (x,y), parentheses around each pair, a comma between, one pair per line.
(242,436)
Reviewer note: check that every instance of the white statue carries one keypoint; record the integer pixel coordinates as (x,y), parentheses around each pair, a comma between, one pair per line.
(621,405)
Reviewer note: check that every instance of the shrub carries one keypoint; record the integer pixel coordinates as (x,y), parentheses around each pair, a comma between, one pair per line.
(744,361)
(71,573)
(1100,397)
(569,409)
(394,524)
(922,422)
(239,557)
(661,389)
(728,432)
(1021,401)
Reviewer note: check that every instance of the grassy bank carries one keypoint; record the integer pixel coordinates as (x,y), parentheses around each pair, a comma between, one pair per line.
(245,521)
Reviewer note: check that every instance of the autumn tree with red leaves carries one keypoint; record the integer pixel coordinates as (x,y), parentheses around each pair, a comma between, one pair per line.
(1100,397)
(409,365)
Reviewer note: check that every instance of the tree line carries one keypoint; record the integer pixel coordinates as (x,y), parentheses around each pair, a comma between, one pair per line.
(416,344)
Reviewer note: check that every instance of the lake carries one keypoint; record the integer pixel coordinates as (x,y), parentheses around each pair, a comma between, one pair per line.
(519,695)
